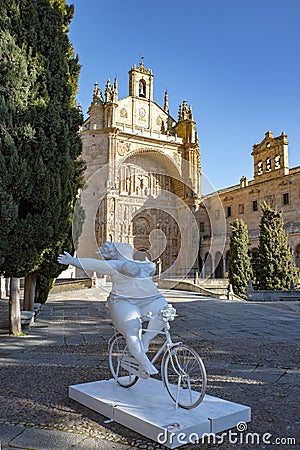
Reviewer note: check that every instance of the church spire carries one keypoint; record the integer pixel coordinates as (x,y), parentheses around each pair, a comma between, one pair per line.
(97,96)
(116,85)
(166,102)
(185,111)
(108,92)
(185,127)
(115,91)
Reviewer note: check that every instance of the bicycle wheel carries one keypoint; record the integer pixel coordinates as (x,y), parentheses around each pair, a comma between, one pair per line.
(184,376)
(121,363)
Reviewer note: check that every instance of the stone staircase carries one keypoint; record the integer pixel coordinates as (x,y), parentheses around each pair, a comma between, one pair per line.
(212,287)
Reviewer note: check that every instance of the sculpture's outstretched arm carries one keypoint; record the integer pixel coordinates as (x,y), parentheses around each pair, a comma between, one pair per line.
(88,264)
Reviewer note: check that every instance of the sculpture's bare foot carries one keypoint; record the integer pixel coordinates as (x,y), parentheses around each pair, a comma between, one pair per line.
(148,369)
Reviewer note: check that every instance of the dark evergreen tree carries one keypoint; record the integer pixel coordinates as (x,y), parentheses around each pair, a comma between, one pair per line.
(275,268)
(40,166)
(240,268)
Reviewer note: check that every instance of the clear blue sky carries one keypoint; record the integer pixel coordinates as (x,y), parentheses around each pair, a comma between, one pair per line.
(235,61)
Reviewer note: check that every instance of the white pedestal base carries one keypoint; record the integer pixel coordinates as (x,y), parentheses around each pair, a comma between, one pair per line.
(147,409)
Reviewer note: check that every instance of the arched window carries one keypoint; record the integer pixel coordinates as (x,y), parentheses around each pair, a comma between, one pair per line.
(277,162)
(142,88)
(259,168)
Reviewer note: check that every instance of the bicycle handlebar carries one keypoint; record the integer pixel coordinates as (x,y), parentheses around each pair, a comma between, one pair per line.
(166,314)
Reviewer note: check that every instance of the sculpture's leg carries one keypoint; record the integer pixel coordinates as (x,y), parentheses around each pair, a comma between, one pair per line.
(154,324)
(126,318)
(136,348)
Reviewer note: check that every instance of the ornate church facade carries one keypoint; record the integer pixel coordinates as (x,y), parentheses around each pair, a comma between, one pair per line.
(143,174)
(143,184)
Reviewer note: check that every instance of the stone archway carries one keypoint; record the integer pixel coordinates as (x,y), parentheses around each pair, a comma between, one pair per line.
(200,265)
(149,173)
(218,265)
(141,255)
(141,229)
(227,263)
(156,232)
(146,208)
(149,187)
(207,265)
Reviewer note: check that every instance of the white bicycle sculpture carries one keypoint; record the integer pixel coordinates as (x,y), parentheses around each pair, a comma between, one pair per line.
(182,370)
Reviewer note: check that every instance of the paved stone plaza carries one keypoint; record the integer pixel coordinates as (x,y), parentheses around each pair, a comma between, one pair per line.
(251,352)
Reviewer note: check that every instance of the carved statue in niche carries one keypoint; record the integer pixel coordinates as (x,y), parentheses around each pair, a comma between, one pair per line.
(141,226)
(141,182)
(142,88)
(159,121)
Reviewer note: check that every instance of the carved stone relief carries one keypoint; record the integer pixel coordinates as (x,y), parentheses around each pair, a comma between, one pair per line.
(124,113)
(123,148)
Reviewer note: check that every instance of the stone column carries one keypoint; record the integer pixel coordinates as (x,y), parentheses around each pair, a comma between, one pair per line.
(224,265)
(213,267)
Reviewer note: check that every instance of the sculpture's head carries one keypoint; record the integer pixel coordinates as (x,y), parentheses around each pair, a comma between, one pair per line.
(108,250)
(116,250)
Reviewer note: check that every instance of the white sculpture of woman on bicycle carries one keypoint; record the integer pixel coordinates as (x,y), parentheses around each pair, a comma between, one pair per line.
(132,296)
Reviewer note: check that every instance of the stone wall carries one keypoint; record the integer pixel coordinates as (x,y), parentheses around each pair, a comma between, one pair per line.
(272,295)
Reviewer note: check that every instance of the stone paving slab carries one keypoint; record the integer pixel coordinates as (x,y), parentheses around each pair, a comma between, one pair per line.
(8,432)
(39,439)
(291,377)
(96,444)
(18,436)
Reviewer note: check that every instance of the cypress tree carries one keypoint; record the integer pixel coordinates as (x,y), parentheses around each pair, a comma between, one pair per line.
(50,269)
(240,268)
(275,268)
(40,166)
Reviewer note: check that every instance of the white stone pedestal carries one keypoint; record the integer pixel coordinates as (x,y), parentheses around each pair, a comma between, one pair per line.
(147,409)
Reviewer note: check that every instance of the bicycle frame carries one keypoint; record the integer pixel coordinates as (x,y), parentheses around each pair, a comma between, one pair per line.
(167,345)
(173,363)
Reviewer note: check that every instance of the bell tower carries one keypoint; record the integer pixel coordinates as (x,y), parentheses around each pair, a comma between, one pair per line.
(141,82)
(270,157)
